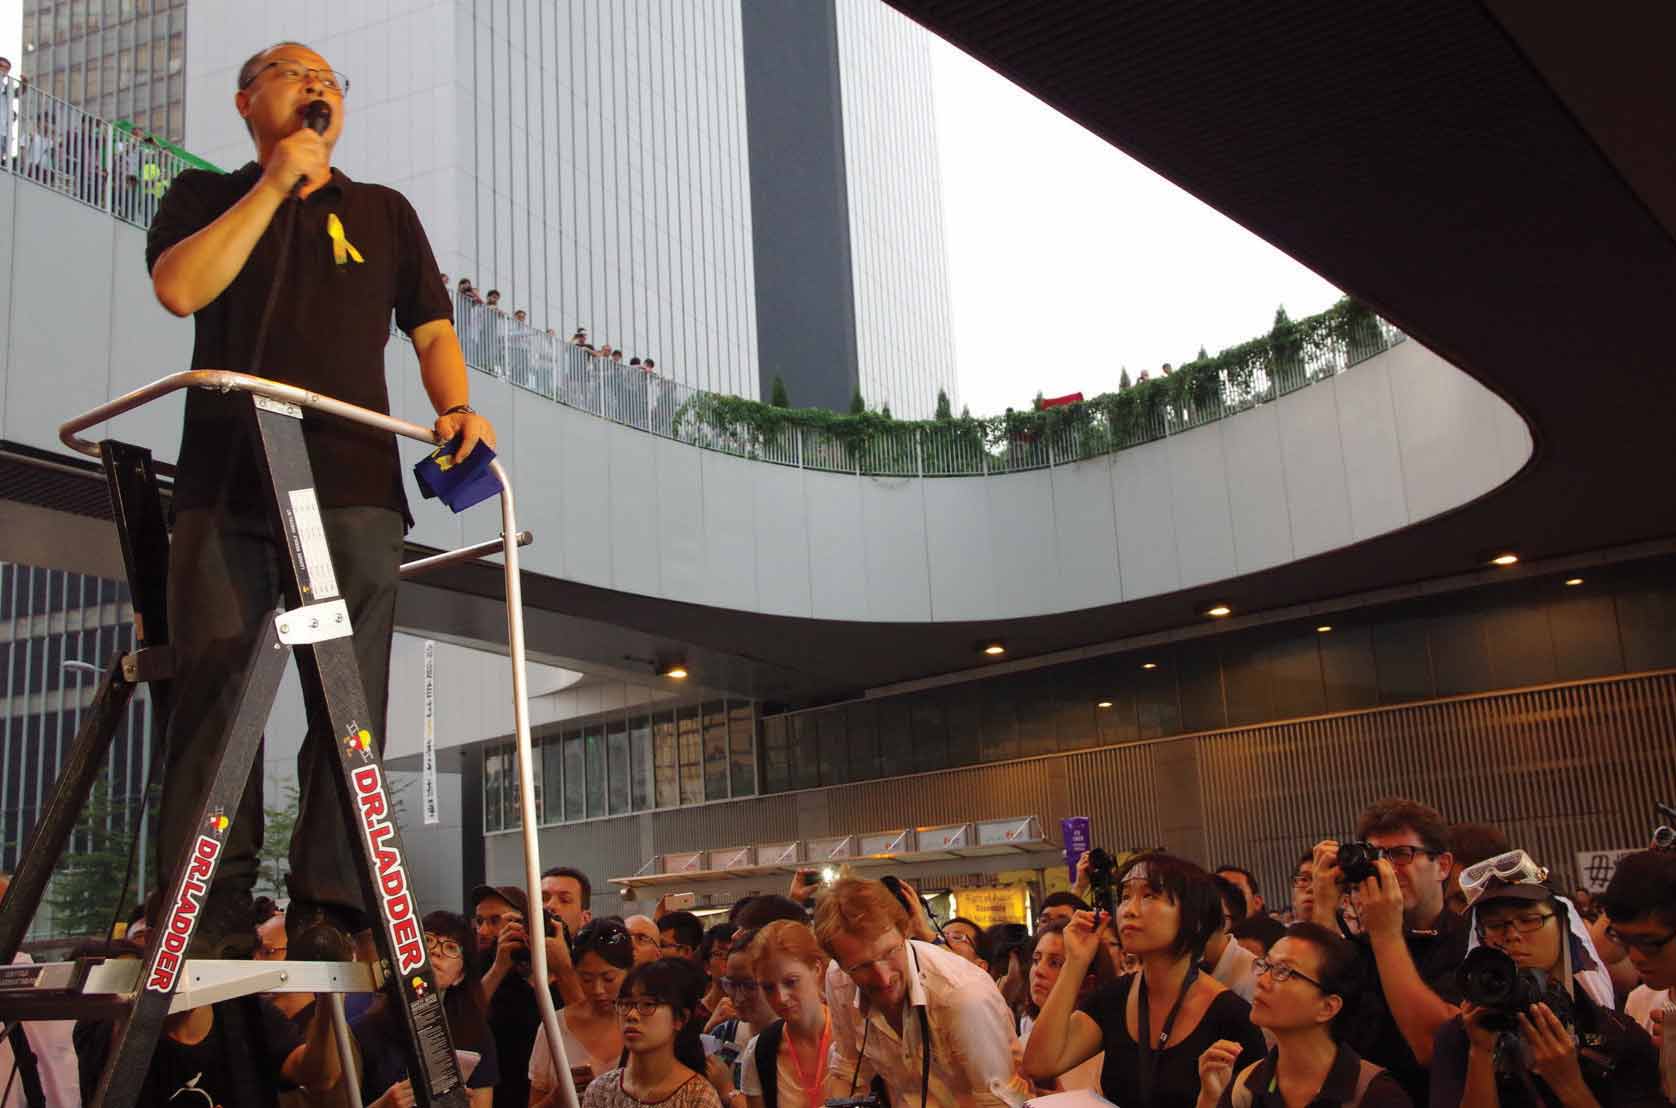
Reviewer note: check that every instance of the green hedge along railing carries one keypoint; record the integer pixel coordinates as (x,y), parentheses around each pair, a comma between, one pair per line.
(1293,355)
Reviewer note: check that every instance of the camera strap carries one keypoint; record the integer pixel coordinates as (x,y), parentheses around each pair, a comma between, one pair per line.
(925,1054)
(1150,1059)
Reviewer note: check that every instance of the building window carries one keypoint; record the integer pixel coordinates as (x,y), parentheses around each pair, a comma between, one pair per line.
(666,761)
(716,751)
(742,727)
(640,764)
(690,745)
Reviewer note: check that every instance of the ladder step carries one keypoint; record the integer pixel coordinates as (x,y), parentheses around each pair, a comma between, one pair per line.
(94,988)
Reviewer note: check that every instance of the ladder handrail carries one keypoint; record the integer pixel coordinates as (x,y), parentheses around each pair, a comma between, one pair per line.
(228,381)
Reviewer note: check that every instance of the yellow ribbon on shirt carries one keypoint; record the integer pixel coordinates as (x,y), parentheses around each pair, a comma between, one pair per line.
(342,248)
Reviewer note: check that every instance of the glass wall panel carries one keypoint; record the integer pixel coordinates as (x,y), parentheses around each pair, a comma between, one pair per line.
(715,750)
(640,763)
(594,745)
(491,789)
(552,778)
(805,751)
(617,766)
(742,731)
(776,762)
(575,779)
(691,745)
(665,760)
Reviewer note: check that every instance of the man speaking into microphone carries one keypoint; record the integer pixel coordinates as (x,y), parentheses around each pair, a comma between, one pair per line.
(290,271)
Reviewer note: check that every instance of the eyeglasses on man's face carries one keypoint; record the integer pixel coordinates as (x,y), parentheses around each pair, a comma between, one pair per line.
(675,950)
(1281,973)
(1650,945)
(294,72)
(740,985)
(1527,923)
(643,1006)
(1405,855)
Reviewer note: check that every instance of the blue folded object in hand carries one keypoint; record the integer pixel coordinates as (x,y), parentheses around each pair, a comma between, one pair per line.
(457,484)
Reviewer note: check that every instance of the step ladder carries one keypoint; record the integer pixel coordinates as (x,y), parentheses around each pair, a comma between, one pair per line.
(314,627)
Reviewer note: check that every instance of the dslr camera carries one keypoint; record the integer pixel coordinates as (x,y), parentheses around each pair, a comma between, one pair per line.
(1493,981)
(552,927)
(1102,876)
(1356,862)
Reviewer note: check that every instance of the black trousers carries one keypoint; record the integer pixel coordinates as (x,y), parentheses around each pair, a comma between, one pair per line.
(223,581)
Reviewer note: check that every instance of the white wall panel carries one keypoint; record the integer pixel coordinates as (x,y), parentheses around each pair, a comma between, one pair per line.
(893,531)
(781,511)
(1257,492)
(680,519)
(9,188)
(1317,492)
(1146,533)
(1372,459)
(1024,542)
(61,316)
(146,343)
(960,548)
(1199,501)
(635,564)
(837,554)
(1445,426)
(730,578)
(586,478)
(1086,525)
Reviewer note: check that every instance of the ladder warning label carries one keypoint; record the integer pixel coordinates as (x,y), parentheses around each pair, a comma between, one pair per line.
(431,1030)
(311,542)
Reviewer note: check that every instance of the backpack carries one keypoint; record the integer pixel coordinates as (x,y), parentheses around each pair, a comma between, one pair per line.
(1241,1096)
(768,1062)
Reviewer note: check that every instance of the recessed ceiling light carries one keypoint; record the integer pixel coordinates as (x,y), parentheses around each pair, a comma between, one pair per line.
(1324,628)
(675,671)
(1219,611)
(994,649)
(1149,665)
(1572,582)
(1508,559)
(1104,704)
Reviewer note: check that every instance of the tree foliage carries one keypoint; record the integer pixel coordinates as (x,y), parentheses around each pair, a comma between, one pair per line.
(944,409)
(777,396)
(92,872)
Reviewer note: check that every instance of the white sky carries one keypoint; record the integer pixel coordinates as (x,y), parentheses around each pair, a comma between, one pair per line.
(1068,260)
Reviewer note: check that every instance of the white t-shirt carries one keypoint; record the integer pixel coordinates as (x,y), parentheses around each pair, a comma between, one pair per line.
(1643,1002)
(791,1085)
(542,1070)
(55,1057)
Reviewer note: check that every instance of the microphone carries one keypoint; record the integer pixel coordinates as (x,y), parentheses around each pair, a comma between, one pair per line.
(316,117)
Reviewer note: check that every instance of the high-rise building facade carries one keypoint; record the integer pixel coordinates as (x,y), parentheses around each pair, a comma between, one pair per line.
(597,163)
(116,59)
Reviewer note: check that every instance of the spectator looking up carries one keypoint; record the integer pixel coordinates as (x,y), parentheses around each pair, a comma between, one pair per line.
(1301,989)
(965,938)
(593,1036)
(1046,955)
(924,1021)
(1410,942)
(1247,882)
(665,1055)
(1474,1062)
(646,939)
(1152,1025)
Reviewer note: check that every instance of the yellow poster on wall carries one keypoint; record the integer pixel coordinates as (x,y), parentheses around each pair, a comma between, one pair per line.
(985,907)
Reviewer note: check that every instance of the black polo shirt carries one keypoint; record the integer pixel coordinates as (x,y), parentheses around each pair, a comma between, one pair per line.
(1339,1087)
(1367,1023)
(327,334)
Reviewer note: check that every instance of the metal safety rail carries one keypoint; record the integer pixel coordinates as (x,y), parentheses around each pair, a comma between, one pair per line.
(508,543)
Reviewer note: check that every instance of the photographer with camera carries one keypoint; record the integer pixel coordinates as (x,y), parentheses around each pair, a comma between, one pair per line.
(514,1019)
(1152,1025)
(927,1024)
(1409,942)
(1537,1026)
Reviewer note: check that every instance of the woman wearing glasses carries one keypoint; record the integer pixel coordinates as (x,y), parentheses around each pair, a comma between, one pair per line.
(665,1054)
(1495,1059)
(1303,983)
(603,954)
(450,942)
(1154,1024)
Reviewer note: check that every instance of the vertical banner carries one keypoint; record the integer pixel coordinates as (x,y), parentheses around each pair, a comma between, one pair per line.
(1076,834)
(433,810)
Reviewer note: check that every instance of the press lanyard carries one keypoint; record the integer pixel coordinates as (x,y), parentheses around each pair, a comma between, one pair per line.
(811,1085)
(1150,1055)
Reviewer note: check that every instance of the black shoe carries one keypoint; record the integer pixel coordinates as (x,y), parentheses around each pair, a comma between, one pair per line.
(226,926)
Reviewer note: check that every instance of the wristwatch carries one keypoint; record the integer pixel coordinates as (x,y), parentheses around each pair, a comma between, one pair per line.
(459,409)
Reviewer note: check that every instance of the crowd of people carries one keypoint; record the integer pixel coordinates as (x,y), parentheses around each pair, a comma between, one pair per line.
(1422,964)
(56,144)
